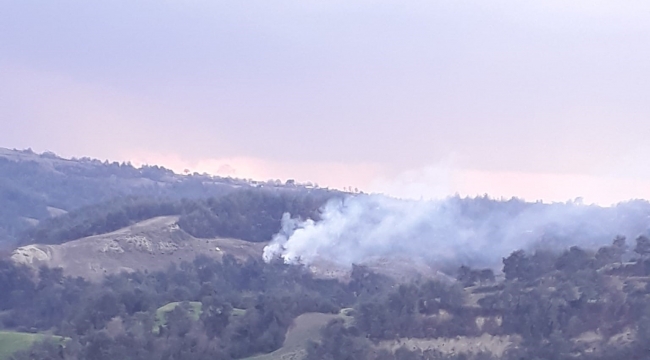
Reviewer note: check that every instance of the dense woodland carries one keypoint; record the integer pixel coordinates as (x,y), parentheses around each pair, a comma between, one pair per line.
(250,215)
(546,299)
(115,319)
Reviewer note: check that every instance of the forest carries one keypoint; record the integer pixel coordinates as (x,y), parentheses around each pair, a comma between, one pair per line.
(115,319)
(250,215)
(545,300)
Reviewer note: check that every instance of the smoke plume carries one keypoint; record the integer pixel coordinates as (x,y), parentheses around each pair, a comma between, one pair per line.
(477,232)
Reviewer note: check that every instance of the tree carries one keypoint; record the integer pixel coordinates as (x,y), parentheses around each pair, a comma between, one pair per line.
(469,277)
(465,276)
(516,266)
(642,246)
(574,259)
(178,321)
(215,315)
(338,343)
(620,243)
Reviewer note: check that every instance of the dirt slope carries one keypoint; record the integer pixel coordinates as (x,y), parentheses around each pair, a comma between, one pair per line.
(149,245)
(155,243)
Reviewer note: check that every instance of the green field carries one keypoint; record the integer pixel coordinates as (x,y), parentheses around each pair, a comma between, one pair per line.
(161,313)
(195,312)
(238,312)
(11,342)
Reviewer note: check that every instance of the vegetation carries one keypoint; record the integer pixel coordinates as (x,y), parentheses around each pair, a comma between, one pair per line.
(251,215)
(545,305)
(193,309)
(245,308)
(12,342)
(102,195)
(548,301)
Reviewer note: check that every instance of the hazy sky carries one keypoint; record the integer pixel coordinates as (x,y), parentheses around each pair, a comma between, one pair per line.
(541,99)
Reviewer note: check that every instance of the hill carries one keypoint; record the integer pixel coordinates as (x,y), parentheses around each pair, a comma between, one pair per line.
(156,243)
(574,304)
(148,245)
(36,187)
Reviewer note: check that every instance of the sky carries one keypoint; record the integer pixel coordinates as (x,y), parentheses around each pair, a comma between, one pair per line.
(537,99)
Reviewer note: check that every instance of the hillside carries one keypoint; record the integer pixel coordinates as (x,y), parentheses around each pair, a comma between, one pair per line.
(149,245)
(578,303)
(36,187)
(156,243)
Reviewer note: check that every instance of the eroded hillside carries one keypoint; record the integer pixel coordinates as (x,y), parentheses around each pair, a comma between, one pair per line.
(149,245)
(156,243)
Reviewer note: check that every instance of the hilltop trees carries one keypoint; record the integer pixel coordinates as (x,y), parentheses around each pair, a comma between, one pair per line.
(99,219)
(251,215)
(35,188)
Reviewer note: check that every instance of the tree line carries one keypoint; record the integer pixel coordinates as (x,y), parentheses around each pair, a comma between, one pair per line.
(250,215)
(31,185)
(547,299)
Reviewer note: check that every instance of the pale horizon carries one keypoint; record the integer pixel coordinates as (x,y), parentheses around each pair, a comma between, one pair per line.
(433,182)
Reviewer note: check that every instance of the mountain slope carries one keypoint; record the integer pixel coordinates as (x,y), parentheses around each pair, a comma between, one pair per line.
(149,245)
(36,187)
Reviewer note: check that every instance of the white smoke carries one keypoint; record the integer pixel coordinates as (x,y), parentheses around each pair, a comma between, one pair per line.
(475,231)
